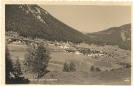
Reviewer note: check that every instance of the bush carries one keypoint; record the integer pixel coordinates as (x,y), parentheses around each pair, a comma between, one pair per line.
(93,68)
(128,65)
(97,69)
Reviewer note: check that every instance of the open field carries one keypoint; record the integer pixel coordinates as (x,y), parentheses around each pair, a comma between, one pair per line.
(17,51)
(116,77)
(83,63)
(62,56)
(83,75)
(17,47)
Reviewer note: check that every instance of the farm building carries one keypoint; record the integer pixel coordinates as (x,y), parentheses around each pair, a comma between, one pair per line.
(77,53)
(14,41)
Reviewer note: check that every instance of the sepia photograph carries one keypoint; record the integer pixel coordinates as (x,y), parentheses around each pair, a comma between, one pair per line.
(67,44)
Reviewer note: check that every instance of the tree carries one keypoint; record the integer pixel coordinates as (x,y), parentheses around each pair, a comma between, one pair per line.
(37,59)
(10,70)
(8,65)
(72,67)
(92,68)
(85,51)
(18,71)
(66,67)
(69,67)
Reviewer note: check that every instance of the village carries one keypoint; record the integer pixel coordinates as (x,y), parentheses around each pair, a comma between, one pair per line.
(109,55)
(54,46)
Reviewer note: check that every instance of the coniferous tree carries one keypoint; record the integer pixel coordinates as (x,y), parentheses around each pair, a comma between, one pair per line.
(72,67)
(18,71)
(66,67)
(37,59)
(8,65)
(92,68)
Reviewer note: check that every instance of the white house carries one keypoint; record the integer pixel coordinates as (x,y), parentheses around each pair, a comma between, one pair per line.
(89,54)
(61,47)
(101,54)
(66,47)
(78,53)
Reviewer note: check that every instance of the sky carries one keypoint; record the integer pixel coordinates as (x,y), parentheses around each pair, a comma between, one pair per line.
(90,18)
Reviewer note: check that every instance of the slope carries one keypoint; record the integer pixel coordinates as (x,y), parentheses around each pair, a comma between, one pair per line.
(120,36)
(33,21)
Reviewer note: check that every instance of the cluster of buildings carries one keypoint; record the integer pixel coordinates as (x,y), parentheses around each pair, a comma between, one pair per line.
(18,41)
(72,48)
(69,47)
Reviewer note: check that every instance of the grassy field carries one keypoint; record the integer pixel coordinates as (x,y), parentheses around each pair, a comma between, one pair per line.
(62,56)
(59,58)
(83,63)
(83,75)
(17,51)
(116,77)
(17,47)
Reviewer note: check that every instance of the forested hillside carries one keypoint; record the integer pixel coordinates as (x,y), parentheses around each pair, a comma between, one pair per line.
(33,21)
(120,36)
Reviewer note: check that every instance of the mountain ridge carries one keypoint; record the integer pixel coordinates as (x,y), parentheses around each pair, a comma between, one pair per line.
(114,36)
(33,21)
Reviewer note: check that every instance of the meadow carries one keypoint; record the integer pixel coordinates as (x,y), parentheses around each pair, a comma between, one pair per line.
(83,64)
(57,58)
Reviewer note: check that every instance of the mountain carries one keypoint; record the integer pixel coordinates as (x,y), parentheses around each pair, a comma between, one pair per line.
(120,36)
(33,21)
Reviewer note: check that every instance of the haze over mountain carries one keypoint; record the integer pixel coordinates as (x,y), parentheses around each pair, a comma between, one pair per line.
(33,21)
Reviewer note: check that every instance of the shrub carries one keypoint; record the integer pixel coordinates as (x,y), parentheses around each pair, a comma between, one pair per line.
(93,68)
(97,69)
(112,70)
